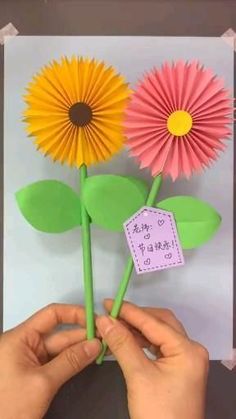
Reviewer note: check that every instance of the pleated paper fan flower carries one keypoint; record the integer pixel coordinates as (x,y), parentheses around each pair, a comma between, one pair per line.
(178,119)
(75,110)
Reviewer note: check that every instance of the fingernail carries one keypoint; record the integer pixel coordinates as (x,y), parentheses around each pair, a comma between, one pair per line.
(104,324)
(92,347)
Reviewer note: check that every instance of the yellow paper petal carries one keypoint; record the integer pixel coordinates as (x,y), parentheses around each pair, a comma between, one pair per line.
(62,85)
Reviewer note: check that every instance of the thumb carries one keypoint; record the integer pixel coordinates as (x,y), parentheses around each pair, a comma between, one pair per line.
(71,361)
(122,344)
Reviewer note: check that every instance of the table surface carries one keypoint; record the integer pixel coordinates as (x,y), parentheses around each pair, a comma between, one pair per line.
(100,391)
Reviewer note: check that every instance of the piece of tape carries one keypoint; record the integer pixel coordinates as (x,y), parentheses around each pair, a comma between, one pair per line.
(7,31)
(229,37)
(231,364)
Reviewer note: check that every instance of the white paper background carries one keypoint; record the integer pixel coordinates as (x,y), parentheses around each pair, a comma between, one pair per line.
(41,268)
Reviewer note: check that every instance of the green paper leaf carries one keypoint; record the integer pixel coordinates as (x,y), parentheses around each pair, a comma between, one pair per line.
(50,206)
(196,220)
(110,200)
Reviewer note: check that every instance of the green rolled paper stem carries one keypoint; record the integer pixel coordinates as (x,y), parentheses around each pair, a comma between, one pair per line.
(151,199)
(87,261)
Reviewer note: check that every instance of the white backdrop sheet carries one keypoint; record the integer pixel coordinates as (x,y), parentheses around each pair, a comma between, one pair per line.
(42,268)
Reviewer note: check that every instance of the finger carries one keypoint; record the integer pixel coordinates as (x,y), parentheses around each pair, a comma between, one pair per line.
(160,313)
(45,320)
(155,330)
(166,316)
(71,361)
(122,344)
(57,342)
(140,339)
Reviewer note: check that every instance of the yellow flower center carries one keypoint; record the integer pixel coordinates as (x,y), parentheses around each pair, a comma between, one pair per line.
(80,114)
(179,123)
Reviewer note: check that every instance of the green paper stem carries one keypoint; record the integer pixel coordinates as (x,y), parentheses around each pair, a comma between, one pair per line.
(151,199)
(87,261)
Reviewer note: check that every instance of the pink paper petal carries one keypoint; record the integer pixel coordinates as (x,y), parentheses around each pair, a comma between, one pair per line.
(206,88)
(205,148)
(146,148)
(149,138)
(194,157)
(169,74)
(212,141)
(224,106)
(161,157)
(209,102)
(153,93)
(147,122)
(175,160)
(142,134)
(138,105)
(186,168)
(220,132)
(180,82)
(178,86)
(163,89)
(191,82)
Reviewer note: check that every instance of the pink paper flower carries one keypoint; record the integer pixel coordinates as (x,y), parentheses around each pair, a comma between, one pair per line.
(178,118)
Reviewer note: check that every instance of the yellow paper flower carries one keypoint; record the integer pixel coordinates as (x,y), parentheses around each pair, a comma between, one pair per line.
(75,110)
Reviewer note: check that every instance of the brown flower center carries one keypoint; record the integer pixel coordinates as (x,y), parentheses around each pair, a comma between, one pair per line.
(80,114)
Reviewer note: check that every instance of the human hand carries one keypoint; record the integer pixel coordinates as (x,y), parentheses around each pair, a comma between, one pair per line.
(35,363)
(173,385)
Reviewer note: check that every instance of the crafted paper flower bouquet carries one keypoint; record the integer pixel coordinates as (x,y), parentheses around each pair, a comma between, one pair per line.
(80,112)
